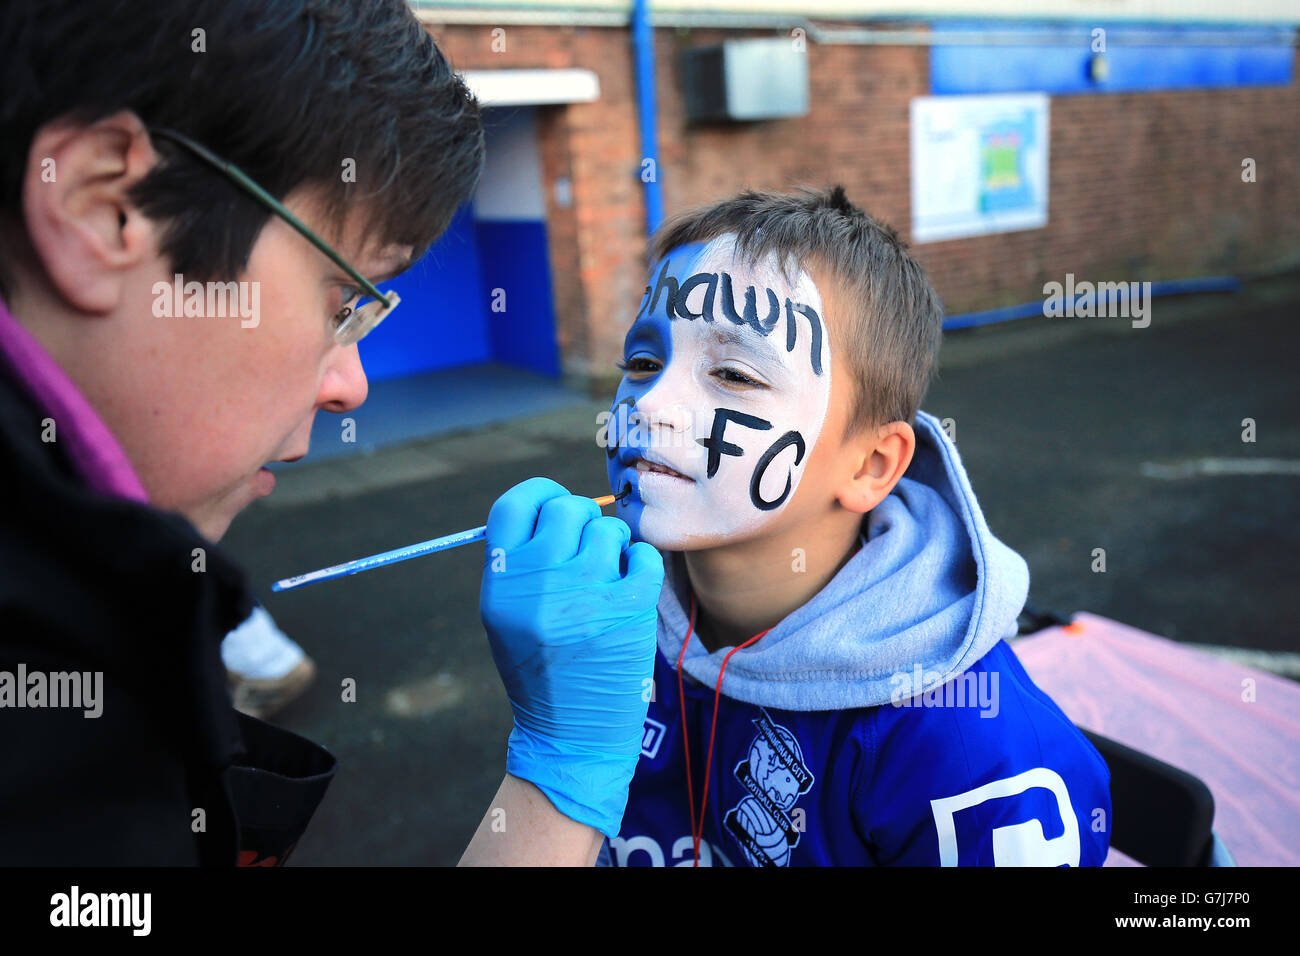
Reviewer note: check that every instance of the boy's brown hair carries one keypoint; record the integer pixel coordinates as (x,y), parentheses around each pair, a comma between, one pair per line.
(894,317)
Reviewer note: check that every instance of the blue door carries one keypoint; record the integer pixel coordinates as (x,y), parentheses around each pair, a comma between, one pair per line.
(442,321)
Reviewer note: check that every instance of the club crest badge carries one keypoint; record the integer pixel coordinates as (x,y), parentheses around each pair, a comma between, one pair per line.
(776,777)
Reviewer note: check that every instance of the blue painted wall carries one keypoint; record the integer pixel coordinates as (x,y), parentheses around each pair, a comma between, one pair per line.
(1266,58)
(442,321)
(496,242)
(514,258)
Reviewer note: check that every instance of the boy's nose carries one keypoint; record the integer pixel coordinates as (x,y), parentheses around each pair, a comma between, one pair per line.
(665,407)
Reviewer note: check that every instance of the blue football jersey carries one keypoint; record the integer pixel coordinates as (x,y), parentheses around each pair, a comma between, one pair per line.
(984,770)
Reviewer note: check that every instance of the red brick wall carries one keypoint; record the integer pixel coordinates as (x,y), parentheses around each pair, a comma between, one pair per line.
(1142,185)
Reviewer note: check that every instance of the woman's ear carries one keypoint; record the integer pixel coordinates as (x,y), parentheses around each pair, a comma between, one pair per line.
(878,458)
(83,229)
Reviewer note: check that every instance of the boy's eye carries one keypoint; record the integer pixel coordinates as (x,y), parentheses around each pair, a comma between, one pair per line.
(734,376)
(639,367)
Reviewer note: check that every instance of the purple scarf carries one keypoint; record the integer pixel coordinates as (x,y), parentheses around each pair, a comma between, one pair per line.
(80,431)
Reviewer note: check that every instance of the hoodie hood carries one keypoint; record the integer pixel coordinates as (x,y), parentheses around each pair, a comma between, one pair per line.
(928,594)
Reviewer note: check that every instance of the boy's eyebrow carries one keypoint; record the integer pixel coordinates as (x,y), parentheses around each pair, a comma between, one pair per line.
(748,339)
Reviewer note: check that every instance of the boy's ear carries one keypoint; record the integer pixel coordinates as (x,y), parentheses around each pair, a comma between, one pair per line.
(83,229)
(878,458)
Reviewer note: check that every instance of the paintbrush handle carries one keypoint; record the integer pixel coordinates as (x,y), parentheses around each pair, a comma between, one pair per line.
(400,554)
(379,560)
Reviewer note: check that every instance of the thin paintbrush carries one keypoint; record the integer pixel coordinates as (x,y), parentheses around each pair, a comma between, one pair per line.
(402,554)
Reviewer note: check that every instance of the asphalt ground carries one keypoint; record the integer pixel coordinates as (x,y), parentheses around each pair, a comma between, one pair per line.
(1059,423)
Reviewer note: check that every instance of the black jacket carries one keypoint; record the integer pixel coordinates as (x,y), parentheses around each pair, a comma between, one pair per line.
(90,583)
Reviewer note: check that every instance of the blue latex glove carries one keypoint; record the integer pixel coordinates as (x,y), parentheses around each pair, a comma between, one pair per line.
(570,611)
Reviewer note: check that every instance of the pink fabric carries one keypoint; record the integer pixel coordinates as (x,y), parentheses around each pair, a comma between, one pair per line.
(78,428)
(1185,707)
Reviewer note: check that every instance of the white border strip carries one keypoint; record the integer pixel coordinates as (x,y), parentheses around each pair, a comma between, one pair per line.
(532,87)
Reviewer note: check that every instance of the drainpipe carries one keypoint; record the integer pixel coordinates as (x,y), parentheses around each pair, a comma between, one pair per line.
(647,113)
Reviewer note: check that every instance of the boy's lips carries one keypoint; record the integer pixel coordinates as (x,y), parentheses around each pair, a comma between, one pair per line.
(644,466)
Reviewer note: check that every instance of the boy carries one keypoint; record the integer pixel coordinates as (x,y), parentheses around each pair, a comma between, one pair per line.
(832,686)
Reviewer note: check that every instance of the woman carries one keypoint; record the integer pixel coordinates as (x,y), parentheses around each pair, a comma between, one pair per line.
(136,420)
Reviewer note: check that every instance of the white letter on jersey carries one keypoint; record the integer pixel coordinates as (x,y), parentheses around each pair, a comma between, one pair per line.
(1019,844)
(622,849)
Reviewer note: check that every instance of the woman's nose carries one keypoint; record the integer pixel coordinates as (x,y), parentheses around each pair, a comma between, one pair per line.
(345,386)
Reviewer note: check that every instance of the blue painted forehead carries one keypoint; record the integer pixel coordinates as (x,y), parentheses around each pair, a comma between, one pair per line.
(686,259)
(687,256)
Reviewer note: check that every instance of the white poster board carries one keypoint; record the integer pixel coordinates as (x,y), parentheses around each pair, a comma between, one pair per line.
(979,164)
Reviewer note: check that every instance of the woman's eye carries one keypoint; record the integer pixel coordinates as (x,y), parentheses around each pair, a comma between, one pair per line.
(736,377)
(350,294)
(639,366)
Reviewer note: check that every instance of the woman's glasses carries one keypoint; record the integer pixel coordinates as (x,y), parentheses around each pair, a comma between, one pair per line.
(354,323)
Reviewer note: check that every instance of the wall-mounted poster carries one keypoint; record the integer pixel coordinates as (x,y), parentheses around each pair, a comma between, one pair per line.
(979,165)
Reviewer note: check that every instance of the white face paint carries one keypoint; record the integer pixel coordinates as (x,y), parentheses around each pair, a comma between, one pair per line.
(735,411)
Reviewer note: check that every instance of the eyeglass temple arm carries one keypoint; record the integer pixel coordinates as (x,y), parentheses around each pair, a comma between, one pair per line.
(271,203)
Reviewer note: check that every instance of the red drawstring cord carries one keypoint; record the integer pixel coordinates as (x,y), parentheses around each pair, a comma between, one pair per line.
(697,832)
(681,696)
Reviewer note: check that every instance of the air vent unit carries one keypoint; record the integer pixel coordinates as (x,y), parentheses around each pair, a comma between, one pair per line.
(746,80)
